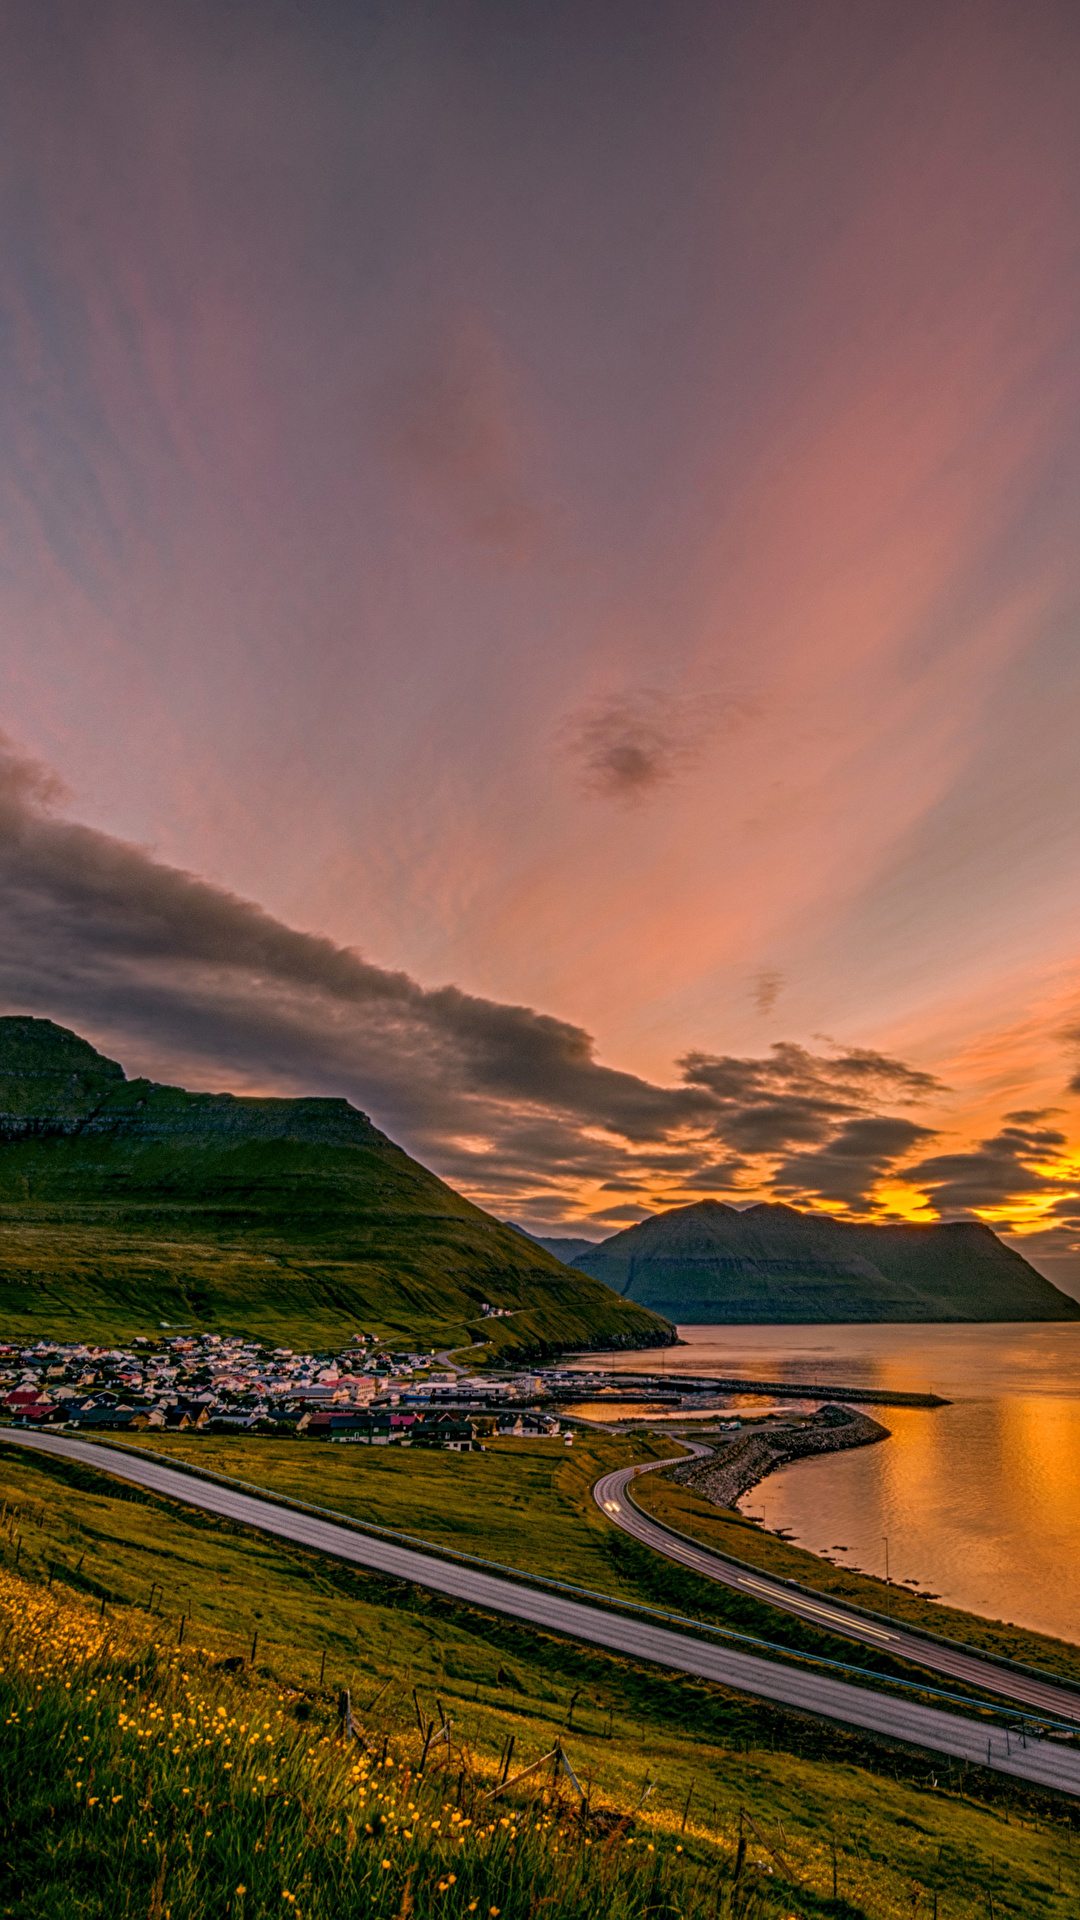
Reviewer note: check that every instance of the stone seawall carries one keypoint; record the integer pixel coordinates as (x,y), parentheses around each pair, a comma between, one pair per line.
(740,1463)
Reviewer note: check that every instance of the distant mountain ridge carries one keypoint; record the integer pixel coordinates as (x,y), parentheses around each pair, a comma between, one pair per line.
(565,1249)
(124,1203)
(713,1265)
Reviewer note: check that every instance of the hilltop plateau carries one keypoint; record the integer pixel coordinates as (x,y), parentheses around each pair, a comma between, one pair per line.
(713,1265)
(125,1204)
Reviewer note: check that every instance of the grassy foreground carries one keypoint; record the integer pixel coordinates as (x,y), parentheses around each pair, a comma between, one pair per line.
(121,1656)
(140,1782)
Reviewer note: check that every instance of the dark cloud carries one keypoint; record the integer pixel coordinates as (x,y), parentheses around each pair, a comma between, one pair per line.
(794,1098)
(182,979)
(855,1159)
(1012,1165)
(1067,1208)
(629,746)
(635,743)
(855,1074)
(730,1175)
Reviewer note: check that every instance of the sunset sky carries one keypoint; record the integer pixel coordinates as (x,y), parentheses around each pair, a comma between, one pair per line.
(539,578)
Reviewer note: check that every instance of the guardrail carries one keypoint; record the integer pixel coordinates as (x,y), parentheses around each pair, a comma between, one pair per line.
(790,1655)
(867,1613)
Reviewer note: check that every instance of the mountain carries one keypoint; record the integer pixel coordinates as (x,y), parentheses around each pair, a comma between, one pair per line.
(124,1203)
(566,1250)
(712,1265)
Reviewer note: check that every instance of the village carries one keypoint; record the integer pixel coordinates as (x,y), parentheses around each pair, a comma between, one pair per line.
(207,1383)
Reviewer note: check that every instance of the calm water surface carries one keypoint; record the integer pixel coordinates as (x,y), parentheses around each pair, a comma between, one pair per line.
(979,1501)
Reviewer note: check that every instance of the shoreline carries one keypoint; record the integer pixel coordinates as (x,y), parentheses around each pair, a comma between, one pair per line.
(660,1385)
(742,1462)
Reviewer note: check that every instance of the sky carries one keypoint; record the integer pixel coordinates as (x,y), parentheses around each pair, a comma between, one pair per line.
(539,584)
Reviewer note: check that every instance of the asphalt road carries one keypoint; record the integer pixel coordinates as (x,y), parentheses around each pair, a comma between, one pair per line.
(1038,1761)
(611,1494)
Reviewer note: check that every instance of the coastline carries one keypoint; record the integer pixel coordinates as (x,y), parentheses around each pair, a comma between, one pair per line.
(664,1383)
(740,1463)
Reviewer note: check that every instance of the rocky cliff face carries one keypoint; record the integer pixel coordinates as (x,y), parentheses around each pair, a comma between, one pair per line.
(55,1085)
(50,1080)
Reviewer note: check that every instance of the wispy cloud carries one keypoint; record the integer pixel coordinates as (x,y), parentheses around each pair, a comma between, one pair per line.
(765,989)
(453,426)
(631,745)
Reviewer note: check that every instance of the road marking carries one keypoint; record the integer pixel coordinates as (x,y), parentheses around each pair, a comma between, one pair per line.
(807,1606)
(945,1732)
(1044,1698)
(795,1602)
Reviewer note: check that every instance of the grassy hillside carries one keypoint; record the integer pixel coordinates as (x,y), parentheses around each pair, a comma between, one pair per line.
(144,1811)
(124,1204)
(527,1504)
(714,1265)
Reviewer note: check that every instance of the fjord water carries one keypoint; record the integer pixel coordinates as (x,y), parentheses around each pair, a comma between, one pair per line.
(979,1500)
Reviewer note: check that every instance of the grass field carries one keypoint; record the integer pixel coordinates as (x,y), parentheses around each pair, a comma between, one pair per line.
(900,1827)
(527,1504)
(137,1781)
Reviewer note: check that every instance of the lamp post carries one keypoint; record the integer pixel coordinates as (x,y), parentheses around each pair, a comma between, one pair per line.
(885,1538)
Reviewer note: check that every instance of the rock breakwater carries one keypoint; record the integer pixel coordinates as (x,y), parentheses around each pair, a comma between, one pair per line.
(739,1463)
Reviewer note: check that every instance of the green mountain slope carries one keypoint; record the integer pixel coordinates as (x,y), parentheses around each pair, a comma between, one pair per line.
(712,1265)
(124,1203)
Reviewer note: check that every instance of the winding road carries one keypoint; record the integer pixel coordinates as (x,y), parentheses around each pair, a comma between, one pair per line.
(614,1498)
(1039,1761)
